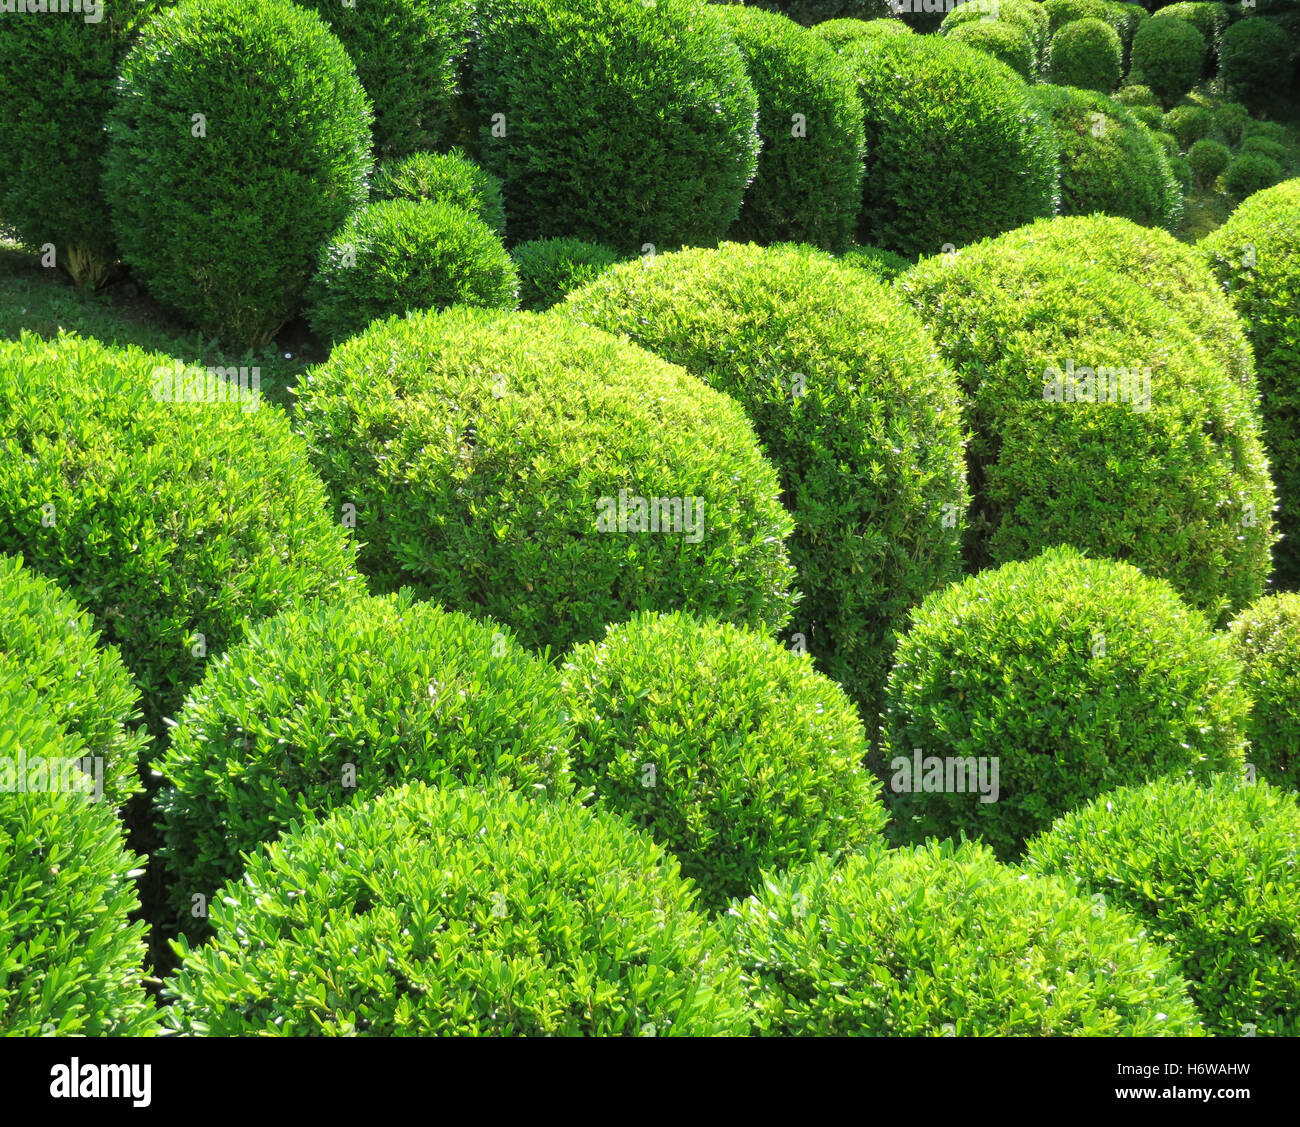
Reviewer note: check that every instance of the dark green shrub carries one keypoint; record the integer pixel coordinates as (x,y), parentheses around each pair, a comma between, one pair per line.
(1169,143)
(1274,150)
(549,269)
(1027,16)
(652,140)
(1125,18)
(960,123)
(1255,61)
(848,34)
(1086,54)
(1062,12)
(1182,170)
(1150,116)
(48,649)
(394,256)
(726,747)
(222,215)
(1160,463)
(1250,173)
(1229,120)
(1213,874)
(432,911)
(173,523)
(1167,57)
(808,185)
(942,941)
(843,388)
(444,178)
(1269,130)
(366,694)
(1004,41)
(1133,96)
(1267,637)
(1255,257)
(813,13)
(885,264)
(1210,19)
(1189,124)
(507,465)
(1208,158)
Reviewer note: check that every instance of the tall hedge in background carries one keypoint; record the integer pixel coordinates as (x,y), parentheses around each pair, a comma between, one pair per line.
(1255,61)
(1167,57)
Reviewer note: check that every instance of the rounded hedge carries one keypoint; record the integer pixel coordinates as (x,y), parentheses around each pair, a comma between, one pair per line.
(957,127)
(846,394)
(1210,19)
(1136,96)
(549,269)
(431,912)
(1027,16)
(1169,143)
(1255,61)
(1270,130)
(812,13)
(1150,116)
(49,653)
(1229,120)
(724,745)
(1157,459)
(1251,172)
(808,184)
(1167,57)
(395,256)
(1189,124)
(173,522)
(884,264)
(1267,637)
(1213,873)
(652,140)
(546,475)
(1070,675)
(1004,41)
(942,941)
(1063,12)
(1208,158)
(842,34)
(443,178)
(226,180)
(320,706)
(1275,150)
(1254,256)
(1086,54)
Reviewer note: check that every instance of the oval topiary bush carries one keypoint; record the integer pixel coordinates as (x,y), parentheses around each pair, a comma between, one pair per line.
(726,747)
(546,475)
(239,142)
(1027,16)
(1208,158)
(1189,124)
(1136,96)
(321,706)
(652,140)
(1267,637)
(1150,116)
(808,184)
(1251,172)
(1229,120)
(1063,12)
(1003,40)
(458,912)
(1272,149)
(1167,57)
(1058,678)
(1087,55)
(1169,143)
(551,268)
(444,178)
(1213,873)
(938,941)
(842,34)
(812,13)
(884,264)
(394,256)
(1210,19)
(850,402)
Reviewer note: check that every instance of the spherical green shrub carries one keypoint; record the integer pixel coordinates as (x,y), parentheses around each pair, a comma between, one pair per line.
(1251,172)
(444,178)
(48,649)
(812,13)
(1070,675)
(1267,637)
(174,523)
(1168,142)
(1150,116)
(1063,12)
(943,941)
(1110,162)
(958,126)
(1271,130)
(1189,124)
(1155,455)
(1254,255)
(808,185)
(848,34)
(551,268)
(1255,61)
(51,163)
(1086,54)
(652,140)
(317,707)
(1208,158)
(1210,19)
(394,256)
(1274,150)
(1213,873)
(431,911)
(407,56)
(1229,120)
(861,419)
(1136,96)
(1167,57)
(226,179)
(725,746)
(885,264)
(544,474)
(1004,41)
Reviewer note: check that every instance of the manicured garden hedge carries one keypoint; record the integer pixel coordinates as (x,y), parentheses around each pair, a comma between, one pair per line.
(1167,57)
(443,178)
(550,269)
(1087,55)
(1267,637)
(1003,40)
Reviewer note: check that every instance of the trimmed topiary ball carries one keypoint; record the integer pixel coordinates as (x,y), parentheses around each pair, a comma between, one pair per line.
(1255,61)
(547,475)
(321,706)
(1210,19)
(842,34)
(444,178)
(1251,172)
(1267,636)
(1086,54)
(1058,678)
(850,402)
(430,912)
(1026,16)
(652,140)
(1189,124)
(1229,120)
(808,185)
(1004,41)
(549,269)
(812,13)
(884,264)
(943,941)
(1275,150)
(726,747)
(1208,158)
(395,256)
(239,143)
(1136,96)
(1167,58)
(1150,116)
(1063,12)
(1212,873)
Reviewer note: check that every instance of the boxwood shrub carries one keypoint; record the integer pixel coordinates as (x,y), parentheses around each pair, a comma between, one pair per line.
(1169,143)
(723,744)
(808,184)
(1062,12)
(443,178)
(1256,61)
(1086,54)
(1167,57)
(847,34)
(239,142)
(942,941)
(1214,874)
(1027,16)
(1136,96)
(432,911)
(1210,19)
(1251,172)
(394,256)
(172,523)
(1189,124)
(1267,637)
(1150,116)
(882,263)
(1272,149)
(507,465)
(812,13)
(1229,120)
(551,268)
(652,140)
(1003,40)
(1208,158)
(1175,481)
(1125,18)
(849,400)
